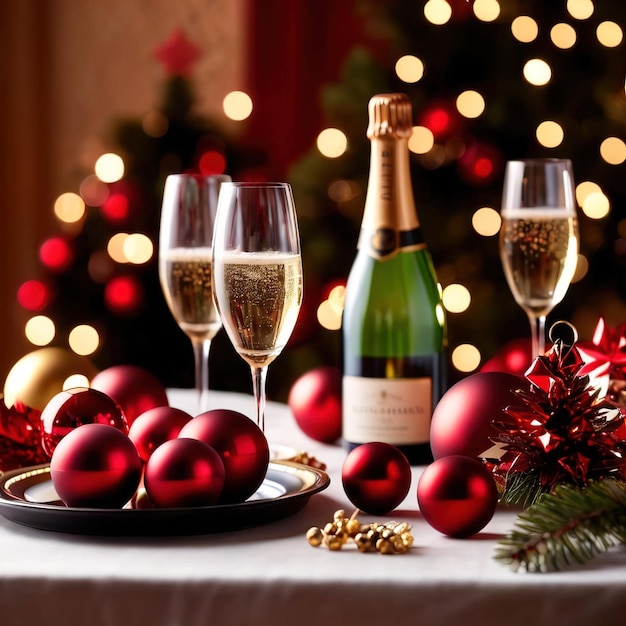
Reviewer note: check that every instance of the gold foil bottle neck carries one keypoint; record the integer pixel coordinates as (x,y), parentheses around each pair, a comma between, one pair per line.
(390,115)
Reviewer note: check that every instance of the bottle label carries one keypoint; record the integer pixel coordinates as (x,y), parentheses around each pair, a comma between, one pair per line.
(383,243)
(392,410)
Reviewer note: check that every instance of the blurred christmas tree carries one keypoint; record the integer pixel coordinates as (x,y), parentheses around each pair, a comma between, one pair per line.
(477,103)
(100,277)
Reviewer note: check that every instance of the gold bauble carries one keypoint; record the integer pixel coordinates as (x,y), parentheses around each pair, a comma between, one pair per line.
(40,375)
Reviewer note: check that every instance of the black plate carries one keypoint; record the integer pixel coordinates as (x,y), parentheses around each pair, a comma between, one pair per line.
(27,497)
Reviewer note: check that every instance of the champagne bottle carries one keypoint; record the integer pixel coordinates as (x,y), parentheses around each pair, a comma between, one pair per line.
(394,328)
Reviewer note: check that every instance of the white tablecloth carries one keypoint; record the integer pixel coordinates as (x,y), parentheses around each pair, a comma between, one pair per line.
(271,575)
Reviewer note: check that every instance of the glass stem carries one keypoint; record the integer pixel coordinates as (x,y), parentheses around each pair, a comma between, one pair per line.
(201,357)
(538,333)
(259,374)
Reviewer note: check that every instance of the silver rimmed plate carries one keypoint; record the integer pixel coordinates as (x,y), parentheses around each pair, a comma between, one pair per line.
(27,497)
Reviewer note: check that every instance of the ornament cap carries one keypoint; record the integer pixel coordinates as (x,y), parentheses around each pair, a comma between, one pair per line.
(564,333)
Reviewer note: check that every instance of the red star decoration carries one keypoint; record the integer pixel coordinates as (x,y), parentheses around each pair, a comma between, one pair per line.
(177,54)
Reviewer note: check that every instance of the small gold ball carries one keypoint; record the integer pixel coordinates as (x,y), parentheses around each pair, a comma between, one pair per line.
(315,536)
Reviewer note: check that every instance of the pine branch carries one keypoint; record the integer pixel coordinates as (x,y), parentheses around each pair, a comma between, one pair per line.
(571,524)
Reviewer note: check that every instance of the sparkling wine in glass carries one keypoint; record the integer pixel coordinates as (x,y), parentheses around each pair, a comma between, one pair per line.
(539,237)
(185,270)
(257,274)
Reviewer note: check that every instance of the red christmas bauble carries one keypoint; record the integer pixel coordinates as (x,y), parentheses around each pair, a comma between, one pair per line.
(72,408)
(184,472)
(462,420)
(156,426)
(315,401)
(376,477)
(457,495)
(95,465)
(515,357)
(134,388)
(242,446)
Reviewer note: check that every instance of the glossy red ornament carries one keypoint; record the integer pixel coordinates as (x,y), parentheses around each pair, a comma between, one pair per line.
(72,408)
(156,426)
(95,465)
(515,357)
(240,443)
(134,388)
(457,495)
(376,477)
(315,401)
(184,472)
(462,420)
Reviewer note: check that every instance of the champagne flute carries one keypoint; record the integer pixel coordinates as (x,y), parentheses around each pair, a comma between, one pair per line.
(185,238)
(257,274)
(539,237)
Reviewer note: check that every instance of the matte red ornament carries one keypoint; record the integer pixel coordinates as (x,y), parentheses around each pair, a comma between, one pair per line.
(240,443)
(95,465)
(156,426)
(462,420)
(315,401)
(134,388)
(69,409)
(376,477)
(457,496)
(184,472)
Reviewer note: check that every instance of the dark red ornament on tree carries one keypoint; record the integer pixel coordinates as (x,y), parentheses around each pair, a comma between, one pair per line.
(315,401)
(376,477)
(134,388)
(462,421)
(95,465)
(72,408)
(457,495)
(240,443)
(156,426)
(184,472)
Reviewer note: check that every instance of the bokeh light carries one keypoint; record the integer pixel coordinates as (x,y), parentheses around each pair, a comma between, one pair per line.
(155,124)
(580,9)
(40,330)
(486,221)
(524,29)
(93,191)
(550,134)
(609,34)
(596,205)
(584,188)
(456,298)
(563,35)
(115,247)
(466,357)
(74,381)
(212,162)
(332,142)
(470,104)
(237,105)
(437,12)
(84,339)
(116,208)
(537,72)
(123,295)
(137,248)
(109,167)
(486,10)
(613,150)
(69,207)
(409,68)
(421,140)
(56,254)
(34,295)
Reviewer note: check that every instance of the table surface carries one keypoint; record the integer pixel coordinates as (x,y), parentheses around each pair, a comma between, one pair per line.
(269,573)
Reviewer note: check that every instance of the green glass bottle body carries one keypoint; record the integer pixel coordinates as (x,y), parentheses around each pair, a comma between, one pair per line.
(394,328)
